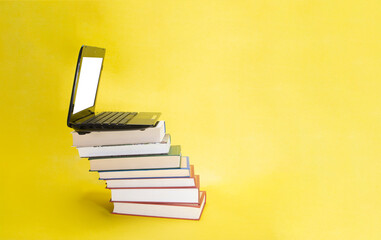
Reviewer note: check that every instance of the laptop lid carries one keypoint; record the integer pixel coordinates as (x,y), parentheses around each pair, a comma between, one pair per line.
(86,82)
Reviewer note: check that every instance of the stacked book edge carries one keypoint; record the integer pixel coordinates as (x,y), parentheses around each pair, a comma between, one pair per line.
(146,175)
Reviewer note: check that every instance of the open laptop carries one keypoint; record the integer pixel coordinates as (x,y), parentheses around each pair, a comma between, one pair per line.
(82,116)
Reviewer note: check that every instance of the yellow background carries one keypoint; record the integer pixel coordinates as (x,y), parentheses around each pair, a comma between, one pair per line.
(277,103)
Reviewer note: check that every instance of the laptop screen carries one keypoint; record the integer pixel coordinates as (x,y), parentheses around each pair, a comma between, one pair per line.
(87,83)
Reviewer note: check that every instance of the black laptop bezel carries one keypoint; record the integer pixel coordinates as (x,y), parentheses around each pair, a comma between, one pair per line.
(85,51)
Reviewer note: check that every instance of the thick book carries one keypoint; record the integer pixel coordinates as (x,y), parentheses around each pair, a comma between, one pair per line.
(152,182)
(157,194)
(163,210)
(127,149)
(170,160)
(118,137)
(183,171)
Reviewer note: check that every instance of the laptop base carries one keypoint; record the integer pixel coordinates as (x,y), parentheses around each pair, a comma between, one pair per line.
(106,121)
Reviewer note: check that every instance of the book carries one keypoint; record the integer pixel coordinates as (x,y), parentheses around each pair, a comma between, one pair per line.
(152,182)
(117,137)
(183,171)
(127,149)
(170,160)
(164,210)
(157,194)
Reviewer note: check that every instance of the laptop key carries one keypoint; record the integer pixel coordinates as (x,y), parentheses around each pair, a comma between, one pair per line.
(118,119)
(98,117)
(126,119)
(101,121)
(108,121)
(92,118)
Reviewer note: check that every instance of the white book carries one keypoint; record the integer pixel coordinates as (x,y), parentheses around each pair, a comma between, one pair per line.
(127,150)
(157,194)
(118,137)
(183,171)
(153,182)
(170,160)
(165,210)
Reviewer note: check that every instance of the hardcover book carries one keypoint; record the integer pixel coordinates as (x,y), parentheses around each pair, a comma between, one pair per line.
(157,194)
(164,210)
(118,137)
(183,171)
(152,182)
(127,150)
(170,160)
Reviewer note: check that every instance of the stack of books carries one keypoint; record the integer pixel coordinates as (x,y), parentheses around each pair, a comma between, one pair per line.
(147,175)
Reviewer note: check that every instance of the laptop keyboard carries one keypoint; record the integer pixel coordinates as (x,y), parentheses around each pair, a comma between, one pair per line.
(109,119)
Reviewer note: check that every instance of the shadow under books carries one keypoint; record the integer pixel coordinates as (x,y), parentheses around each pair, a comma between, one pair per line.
(98,199)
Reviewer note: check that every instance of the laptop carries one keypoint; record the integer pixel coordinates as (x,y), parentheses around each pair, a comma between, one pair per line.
(82,115)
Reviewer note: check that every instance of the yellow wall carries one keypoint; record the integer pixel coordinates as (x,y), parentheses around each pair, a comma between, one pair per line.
(276,103)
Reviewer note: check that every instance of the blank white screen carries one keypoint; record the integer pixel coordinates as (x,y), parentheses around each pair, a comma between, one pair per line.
(87,83)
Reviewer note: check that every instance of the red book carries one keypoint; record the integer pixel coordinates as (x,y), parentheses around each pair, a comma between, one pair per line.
(163,210)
